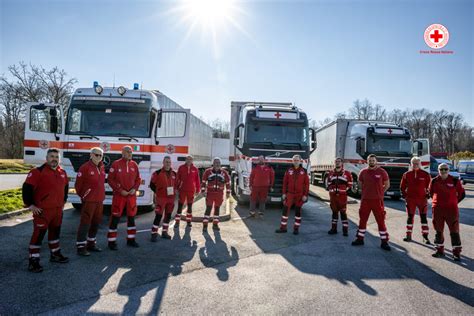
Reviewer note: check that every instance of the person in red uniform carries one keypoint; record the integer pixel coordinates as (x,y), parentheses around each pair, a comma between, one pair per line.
(163,182)
(339,182)
(124,179)
(414,189)
(214,181)
(262,179)
(90,187)
(45,192)
(373,181)
(294,194)
(446,192)
(188,186)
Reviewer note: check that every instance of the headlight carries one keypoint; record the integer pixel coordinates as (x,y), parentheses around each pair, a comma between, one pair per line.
(98,89)
(121,90)
(72,191)
(139,193)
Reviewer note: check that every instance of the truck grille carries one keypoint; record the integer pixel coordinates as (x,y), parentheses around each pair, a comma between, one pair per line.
(280,170)
(395,174)
(78,159)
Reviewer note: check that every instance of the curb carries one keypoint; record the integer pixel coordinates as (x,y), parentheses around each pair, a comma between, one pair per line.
(13,213)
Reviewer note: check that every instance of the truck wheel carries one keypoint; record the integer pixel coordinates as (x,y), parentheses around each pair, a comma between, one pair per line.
(77,206)
(354,191)
(326,181)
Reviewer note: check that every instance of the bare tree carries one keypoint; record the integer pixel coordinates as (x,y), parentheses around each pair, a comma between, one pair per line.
(28,83)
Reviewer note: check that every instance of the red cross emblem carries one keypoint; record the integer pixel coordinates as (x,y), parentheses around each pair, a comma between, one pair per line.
(390,131)
(277,115)
(436,36)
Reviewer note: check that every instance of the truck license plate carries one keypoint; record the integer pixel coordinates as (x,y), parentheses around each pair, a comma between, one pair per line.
(275,199)
(390,193)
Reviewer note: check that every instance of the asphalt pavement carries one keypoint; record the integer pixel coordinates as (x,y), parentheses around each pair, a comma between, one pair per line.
(244,269)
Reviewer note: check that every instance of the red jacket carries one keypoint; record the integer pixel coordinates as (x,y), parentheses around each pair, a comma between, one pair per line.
(415,184)
(446,193)
(161,180)
(296,181)
(188,179)
(90,182)
(124,175)
(214,181)
(45,187)
(262,176)
(339,182)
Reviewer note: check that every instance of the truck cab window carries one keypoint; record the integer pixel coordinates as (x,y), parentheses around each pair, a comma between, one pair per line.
(40,120)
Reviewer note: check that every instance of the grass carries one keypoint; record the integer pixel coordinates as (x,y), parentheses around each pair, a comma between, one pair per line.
(14,166)
(10,200)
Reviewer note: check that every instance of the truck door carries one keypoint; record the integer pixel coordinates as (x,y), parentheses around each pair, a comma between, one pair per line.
(172,132)
(43,129)
(421,148)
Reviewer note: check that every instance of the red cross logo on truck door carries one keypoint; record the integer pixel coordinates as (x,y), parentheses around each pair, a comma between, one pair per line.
(277,115)
(390,131)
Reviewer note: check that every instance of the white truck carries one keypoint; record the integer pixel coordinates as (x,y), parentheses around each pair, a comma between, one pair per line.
(353,140)
(149,121)
(275,130)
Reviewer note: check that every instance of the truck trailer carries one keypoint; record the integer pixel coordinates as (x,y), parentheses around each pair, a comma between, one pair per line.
(354,140)
(110,118)
(275,130)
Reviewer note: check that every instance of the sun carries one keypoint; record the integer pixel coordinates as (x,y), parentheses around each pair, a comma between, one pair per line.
(211,17)
(209,12)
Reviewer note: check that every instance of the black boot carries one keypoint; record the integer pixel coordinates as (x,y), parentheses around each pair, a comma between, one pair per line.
(426,240)
(34,265)
(58,257)
(132,243)
(358,242)
(154,238)
(113,245)
(281,230)
(165,235)
(83,252)
(94,248)
(215,227)
(296,231)
(332,231)
(438,254)
(385,246)
(407,238)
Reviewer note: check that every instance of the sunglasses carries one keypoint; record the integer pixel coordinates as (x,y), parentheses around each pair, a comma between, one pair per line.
(443,169)
(97,155)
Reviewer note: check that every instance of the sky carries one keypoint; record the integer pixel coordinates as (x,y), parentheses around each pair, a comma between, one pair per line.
(320,55)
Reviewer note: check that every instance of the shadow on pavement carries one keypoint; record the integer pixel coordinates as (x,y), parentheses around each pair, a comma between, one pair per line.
(313,251)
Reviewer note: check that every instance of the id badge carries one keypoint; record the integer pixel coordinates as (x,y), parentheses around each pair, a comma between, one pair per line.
(169,190)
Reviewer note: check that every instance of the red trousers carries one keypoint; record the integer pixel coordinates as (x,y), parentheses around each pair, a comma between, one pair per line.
(375,206)
(48,221)
(186,197)
(214,198)
(259,194)
(338,203)
(164,205)
(91,217)
(411,206)
(291,200)
(450,216)
(119,203)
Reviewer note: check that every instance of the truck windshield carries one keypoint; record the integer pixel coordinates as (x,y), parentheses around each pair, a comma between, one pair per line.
(108,120)
(289,135)
(389,146)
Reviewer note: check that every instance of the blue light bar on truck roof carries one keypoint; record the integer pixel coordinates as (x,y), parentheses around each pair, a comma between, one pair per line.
(135,86)
(109,99)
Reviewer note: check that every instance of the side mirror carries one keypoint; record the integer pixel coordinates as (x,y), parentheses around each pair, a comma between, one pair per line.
(160,118)
(237,134)
(53,112)
(360,146)
(54,124)
(314,143)
(420,149)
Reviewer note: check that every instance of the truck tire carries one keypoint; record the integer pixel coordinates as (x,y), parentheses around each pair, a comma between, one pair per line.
(326,180)
(354,191)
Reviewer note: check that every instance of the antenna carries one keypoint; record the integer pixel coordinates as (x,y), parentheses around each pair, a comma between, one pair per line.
(114,82)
